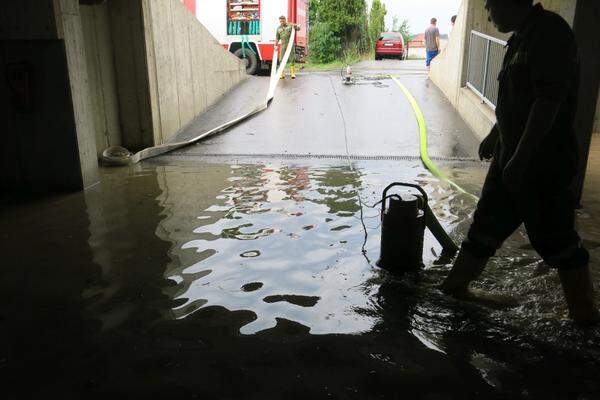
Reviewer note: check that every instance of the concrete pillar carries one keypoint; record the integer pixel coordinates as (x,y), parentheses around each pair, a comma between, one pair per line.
(46,129)
(69,19)
(129,32)
(585,24)
(102,75)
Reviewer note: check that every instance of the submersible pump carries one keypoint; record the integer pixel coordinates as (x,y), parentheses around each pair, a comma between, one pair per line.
(403,223)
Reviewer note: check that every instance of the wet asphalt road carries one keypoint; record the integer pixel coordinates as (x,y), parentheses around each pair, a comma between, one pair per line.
(317,114)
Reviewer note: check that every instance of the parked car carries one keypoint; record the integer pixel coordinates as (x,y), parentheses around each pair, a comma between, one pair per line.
(390,44)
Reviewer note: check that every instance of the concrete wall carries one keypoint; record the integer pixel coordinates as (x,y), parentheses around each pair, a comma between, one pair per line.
(188,69)
(129,72)
(51,146)
(169,69)
(597,119)
(479,17)
(131,66)
(102,76)
(449,69)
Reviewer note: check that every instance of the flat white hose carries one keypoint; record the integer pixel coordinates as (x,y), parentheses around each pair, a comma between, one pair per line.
(274,81)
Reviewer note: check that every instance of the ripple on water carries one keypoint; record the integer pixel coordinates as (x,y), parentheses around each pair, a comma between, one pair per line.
(252,286)
(306,263)
(293,271)
(250,254)
(302,301)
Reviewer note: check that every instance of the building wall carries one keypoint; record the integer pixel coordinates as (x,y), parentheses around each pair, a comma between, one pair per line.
(188,69)
(102,76)
(50,147)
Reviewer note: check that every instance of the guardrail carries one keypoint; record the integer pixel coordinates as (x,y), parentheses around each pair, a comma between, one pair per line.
(486,54)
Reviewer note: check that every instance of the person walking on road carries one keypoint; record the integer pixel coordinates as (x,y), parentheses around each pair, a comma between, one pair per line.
(432,42)
(283,35)
(534,155)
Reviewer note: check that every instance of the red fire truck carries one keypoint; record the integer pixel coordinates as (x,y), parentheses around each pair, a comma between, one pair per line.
(247,28)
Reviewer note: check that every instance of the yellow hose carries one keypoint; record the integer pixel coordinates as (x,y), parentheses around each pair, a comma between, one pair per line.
(423,142)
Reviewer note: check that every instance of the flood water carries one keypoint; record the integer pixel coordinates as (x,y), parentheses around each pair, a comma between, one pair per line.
(258,279)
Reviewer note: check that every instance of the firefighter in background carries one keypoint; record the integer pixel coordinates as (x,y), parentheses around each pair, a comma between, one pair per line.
(283,35)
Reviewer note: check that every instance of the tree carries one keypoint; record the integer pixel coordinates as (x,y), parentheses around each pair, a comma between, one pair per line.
(376,22)
(402,27)
(344,18)
(313,10)
(325,47)
(338,27)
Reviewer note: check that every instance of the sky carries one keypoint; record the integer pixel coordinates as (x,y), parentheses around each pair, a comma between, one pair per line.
(419,12)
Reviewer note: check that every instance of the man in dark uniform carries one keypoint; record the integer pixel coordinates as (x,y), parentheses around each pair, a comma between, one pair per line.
(535,156)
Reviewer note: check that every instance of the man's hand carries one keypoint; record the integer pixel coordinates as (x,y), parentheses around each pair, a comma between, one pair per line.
(487,146)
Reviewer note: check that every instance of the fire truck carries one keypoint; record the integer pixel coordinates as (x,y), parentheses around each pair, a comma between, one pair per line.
(247,28)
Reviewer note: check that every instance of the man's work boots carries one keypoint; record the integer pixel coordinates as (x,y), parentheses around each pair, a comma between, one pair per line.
(466,268)
(579,293)
(293,71)
(282,75)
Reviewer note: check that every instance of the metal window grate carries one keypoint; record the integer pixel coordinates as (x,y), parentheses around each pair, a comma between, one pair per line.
(486,54)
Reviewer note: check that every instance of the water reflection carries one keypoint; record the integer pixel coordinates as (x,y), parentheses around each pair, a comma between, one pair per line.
(129,290)
(186,256)
(285,232)
(284,241)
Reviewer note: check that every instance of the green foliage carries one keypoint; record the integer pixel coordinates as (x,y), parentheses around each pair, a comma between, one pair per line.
(345,18)
(313,11)
(343,28)
(376,22)
(363,43)
(352,54)
(325,46)
(403,28)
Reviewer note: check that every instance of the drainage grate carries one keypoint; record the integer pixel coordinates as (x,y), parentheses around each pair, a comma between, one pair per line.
(288,156)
